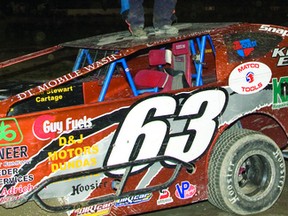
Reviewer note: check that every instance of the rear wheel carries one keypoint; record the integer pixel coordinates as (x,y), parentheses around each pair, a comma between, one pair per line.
(246,172)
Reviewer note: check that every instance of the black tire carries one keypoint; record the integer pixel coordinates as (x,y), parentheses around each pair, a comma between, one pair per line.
(246,172)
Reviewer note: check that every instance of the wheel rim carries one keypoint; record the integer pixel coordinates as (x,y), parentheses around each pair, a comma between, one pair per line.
(254,175)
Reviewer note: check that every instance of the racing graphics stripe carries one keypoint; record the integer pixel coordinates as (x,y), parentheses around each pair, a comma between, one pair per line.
(106,121)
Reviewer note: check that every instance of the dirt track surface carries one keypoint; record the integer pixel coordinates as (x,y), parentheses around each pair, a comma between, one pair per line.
(198,209)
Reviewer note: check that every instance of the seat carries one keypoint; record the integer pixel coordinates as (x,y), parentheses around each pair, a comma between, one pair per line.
(166,78)
(151,78)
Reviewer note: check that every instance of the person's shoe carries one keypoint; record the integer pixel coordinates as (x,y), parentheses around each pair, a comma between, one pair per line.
(139,33)
(166,29)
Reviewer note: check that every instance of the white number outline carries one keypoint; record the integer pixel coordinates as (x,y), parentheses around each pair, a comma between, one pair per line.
(154,126)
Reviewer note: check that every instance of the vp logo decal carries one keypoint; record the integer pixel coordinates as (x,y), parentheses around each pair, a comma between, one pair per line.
(185,190)
(10,133)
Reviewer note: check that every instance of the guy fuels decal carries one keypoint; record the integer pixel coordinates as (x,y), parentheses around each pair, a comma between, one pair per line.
(244,47)
(45,127)
(250,77)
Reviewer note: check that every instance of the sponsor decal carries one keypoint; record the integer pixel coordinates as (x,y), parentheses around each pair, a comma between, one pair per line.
(244,47)
(278,157)
(46,127)
(250,77)
(13,152)
(282,55)
(70,153)
(133,200)
(10,132)
(65,78)
(279,31)
(164,197)
(233,195)
(17,190)
(280,92)
(14,163)
(12,180)
(70,140)
(5,199)
(54,95)
(149,121)
(77,189)
(95,210)
(159,42)
(185,190)
(6,178)
(103,122)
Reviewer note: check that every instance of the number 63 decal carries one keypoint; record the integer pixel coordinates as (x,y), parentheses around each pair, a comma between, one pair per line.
(167,125)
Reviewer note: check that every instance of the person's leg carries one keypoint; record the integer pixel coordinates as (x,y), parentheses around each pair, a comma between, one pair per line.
(135,18)
(163,14)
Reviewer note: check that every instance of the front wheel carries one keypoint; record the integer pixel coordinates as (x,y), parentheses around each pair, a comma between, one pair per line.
(246,172)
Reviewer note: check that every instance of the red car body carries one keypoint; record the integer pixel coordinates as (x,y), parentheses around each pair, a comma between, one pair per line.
(144,125)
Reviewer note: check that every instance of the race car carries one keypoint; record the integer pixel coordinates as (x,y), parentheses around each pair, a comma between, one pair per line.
(113,125)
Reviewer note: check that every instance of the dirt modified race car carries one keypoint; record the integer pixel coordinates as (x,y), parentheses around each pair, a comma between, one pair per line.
(115,125)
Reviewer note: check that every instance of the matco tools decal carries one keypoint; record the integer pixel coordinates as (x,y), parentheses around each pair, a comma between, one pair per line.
(250,77)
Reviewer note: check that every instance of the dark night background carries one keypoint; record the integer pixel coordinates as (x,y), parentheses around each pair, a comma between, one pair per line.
(30,25)
(35,24)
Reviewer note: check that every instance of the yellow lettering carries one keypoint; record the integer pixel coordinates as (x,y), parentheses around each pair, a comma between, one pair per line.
(54,167)
(52,156)
(71,140)
(72,152)
(92,162)
(62,141)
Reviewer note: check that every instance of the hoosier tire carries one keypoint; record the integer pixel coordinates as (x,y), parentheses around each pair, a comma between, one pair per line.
(246,172)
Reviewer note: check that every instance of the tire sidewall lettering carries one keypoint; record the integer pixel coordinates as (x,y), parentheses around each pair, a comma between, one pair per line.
(277,167)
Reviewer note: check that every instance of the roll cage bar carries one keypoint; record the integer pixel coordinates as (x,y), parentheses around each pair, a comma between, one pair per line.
(197,47)
(119,191)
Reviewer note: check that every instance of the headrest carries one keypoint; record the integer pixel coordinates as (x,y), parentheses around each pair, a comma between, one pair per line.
(181,48)
(157,57)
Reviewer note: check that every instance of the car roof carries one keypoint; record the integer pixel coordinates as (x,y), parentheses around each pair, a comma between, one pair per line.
(124,40)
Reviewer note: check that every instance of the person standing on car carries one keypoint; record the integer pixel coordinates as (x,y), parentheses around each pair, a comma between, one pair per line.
(163,16)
